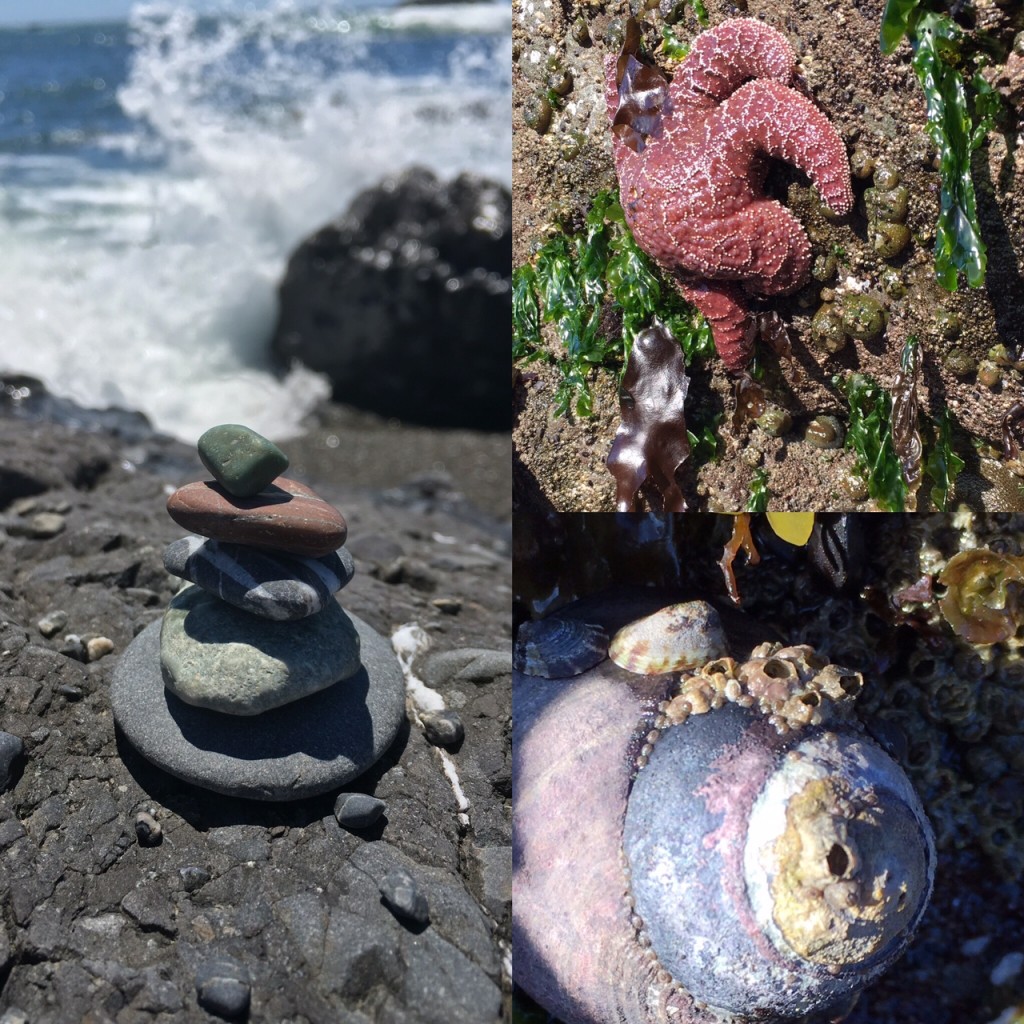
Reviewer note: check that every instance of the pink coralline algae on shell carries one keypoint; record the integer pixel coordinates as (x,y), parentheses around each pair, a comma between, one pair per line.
(693,189)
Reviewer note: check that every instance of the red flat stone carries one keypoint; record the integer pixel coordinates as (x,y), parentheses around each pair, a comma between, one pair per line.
(287,516)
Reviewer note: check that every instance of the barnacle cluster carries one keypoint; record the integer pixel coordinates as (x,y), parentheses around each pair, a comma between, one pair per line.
(791,686)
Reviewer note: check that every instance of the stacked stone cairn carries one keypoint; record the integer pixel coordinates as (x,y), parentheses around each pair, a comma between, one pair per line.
(256,682)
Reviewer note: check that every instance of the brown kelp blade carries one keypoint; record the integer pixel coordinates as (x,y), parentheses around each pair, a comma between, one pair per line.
(651,444)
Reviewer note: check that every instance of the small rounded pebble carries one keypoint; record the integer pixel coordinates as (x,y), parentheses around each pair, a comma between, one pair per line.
(286,516)
(403,898)
(46,524)
(442,728)
(97,647)
(358,810)
(241,461)
(223,988)
(148,830)
(448,605)
(10,750)
(52,622)
(193,877)
(73,647)
(70,692)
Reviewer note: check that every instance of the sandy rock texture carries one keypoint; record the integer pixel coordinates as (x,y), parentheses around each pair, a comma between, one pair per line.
(216,902)
(877,106)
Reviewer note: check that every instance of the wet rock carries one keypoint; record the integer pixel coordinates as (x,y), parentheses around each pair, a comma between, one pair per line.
(405,301)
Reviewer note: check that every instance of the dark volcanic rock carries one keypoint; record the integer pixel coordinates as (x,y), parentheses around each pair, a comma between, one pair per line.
(96,925)
(406,301)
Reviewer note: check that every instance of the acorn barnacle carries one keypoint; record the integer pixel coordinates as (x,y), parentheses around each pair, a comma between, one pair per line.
(558,648)
(722,845)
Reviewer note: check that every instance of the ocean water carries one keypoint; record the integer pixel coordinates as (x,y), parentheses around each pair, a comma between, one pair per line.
(155,174)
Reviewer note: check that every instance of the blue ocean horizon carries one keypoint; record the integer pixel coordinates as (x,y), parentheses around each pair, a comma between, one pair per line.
(156,172)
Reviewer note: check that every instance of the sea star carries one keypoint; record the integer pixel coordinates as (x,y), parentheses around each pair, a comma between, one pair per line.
(692,179)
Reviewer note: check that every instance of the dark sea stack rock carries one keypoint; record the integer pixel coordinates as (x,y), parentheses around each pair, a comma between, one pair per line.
(405,301)
(286,516)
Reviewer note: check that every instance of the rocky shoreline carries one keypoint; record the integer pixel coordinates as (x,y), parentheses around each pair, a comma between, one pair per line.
(105,917)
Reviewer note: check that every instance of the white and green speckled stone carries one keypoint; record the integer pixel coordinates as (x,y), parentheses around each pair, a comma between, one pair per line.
(216,656)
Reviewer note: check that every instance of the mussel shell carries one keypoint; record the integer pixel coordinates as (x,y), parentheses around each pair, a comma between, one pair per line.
(679,637)
(704,878)
(558,648)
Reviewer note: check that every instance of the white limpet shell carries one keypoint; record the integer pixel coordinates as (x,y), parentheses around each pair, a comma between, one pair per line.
(674,639)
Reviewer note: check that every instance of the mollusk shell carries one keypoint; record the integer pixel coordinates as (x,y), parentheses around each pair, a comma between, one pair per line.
(802,868)
(557,648)
(676,638)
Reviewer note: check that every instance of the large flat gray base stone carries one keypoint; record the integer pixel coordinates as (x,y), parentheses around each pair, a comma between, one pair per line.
(306,747)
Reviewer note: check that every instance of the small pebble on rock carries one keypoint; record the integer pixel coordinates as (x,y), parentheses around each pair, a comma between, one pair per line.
(358,810)
(97,646)
(148,829)
(223,988)
(193,877)
(10,750)
(52,622)
(403,897)
(70,692)
(448,605)
(73,647)
(442,728)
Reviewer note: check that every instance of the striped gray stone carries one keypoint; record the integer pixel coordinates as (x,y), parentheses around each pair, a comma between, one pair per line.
(271,584)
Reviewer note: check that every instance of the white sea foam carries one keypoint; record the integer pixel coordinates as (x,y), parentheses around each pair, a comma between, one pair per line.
(156,289)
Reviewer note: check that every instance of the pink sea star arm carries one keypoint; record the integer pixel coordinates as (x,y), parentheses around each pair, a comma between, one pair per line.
(725,308)
(724,57)
(765,117)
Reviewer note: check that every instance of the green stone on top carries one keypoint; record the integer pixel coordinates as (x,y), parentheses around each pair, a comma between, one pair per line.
(241,461)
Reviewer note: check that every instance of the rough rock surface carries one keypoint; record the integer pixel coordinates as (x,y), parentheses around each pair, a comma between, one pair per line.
(93,925)
(406,301)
